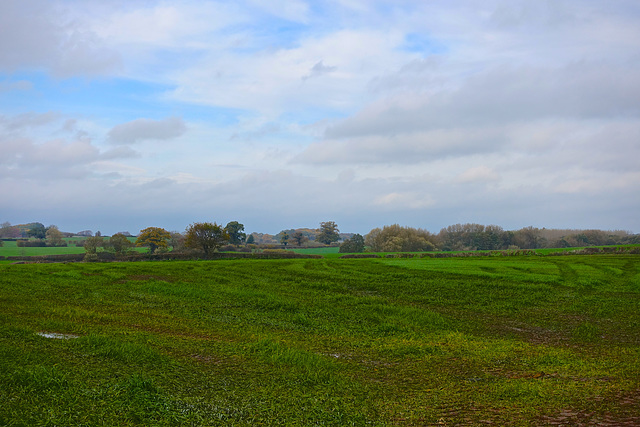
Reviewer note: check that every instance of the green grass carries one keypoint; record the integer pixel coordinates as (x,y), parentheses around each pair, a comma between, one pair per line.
(328,252)
(455,341)
(10,248)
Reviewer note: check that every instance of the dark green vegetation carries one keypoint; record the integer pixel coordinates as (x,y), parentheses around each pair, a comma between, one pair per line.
(502,341)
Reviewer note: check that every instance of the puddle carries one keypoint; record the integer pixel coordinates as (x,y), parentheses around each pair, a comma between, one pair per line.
(57,336)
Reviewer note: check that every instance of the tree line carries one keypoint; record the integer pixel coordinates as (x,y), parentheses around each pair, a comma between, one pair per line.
(207,237)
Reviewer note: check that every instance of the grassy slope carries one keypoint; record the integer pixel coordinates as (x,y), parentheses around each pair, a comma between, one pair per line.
(335,342)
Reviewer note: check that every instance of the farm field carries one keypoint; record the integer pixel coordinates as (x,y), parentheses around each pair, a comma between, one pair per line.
(10,248)
(523,340)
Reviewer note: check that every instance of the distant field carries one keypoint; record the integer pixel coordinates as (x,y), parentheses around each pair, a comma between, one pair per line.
(10,248)
(328,252)
(455,341)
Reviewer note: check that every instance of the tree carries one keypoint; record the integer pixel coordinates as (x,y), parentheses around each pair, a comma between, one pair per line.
(5,228)
(154,238)
(329,233)
(177,241)
(91,244)
(119,243)
(251,240)
(394,238)
(54,236)
(353,245)
(8,231)
(299,238)
(37,231)
(284,238)
(235,230)
(206,236)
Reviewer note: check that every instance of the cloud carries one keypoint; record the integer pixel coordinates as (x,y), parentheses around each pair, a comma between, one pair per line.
(318,70)
(147,129)
(403,148)
(502,96)
(28,120)
(367,113)
(477,174)
(34,35)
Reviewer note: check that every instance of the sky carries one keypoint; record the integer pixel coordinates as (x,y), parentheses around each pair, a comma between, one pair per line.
(123,114)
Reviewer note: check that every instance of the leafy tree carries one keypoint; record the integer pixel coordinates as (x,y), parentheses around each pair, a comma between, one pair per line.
(5,227)
(528,238)
(8,231)
(37,231)
(206,236)
(299,238)
(235,230)
(119,243)
(251,240)
(353,245)
(394,238)
(54,236)
(153,237)
(328,233)
(284,238)
(91,244)
(177,241)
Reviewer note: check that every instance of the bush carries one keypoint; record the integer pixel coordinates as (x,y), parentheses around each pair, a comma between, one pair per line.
(91,257)
(31,243)
(360,256)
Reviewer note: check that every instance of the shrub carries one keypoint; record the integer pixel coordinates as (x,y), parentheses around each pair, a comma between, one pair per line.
(31,243)
(91,257)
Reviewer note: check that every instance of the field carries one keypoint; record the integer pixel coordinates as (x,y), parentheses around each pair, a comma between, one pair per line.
(524,340)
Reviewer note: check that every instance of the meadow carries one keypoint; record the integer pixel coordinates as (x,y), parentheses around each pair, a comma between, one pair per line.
(526,340)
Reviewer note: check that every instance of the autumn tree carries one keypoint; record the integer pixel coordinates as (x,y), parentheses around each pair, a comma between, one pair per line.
(206,236)
(119,243)
(328,233)
(284,238)
(153,237)
(9,231)
(54,236)
(299,238)
(394,238)
(235,230)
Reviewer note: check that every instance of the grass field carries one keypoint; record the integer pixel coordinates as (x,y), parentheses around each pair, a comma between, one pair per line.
(456,341)
(10,248)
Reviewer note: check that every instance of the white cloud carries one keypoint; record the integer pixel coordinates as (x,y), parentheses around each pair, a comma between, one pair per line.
(34,35)
(478,174)
(147,129)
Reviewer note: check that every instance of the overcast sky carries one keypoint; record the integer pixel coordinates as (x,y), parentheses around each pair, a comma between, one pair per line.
(122,114)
